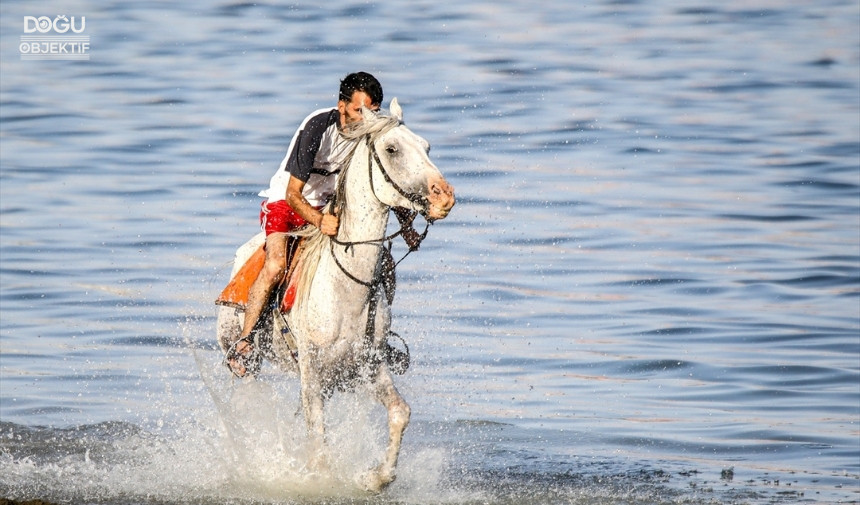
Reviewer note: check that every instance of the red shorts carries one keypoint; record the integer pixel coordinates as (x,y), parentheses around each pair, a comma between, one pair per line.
(279,217)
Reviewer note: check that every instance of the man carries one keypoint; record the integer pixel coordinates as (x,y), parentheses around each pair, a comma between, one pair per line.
(298,191)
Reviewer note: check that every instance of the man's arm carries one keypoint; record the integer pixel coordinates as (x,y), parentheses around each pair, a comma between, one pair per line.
(327,223)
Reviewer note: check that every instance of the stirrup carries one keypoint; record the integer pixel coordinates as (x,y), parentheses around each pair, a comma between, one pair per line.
(251,361)
(397,360)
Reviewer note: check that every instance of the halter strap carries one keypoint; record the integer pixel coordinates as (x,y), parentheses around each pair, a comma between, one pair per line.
(412,197)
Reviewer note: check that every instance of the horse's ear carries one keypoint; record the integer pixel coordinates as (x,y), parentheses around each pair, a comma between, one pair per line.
(395,109)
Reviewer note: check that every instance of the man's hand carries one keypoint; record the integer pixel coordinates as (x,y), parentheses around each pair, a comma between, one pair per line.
(328,224)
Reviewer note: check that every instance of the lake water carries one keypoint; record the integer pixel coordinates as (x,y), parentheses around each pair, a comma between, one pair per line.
(649,291)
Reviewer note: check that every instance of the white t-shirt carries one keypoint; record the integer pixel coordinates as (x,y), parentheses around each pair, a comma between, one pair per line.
(317,153)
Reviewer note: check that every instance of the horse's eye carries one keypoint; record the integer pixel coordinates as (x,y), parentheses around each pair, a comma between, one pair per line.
(391,150)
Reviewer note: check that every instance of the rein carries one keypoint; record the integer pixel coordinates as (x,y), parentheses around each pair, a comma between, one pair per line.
(372,156)
(379,242)
(383,280)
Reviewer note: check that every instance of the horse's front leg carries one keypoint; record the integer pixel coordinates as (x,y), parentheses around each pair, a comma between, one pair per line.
(312,406)
(398,419)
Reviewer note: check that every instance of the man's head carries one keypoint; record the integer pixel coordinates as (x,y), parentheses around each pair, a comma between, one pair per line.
(356,90)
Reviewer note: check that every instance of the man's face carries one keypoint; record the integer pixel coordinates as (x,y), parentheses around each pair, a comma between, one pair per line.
(350,112)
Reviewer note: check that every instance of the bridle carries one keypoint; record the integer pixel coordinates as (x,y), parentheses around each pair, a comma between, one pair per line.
(422,201)
(382,283)
(373,156)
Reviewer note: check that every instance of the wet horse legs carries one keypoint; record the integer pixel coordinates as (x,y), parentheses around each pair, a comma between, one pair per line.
(398,419)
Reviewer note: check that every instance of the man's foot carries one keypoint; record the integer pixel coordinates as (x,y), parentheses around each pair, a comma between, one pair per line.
(242,358)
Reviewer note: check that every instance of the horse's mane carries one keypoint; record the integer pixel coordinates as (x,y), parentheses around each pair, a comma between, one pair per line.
(309,257)
(373,124)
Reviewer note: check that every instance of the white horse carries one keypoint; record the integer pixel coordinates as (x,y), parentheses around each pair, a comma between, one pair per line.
(336,333)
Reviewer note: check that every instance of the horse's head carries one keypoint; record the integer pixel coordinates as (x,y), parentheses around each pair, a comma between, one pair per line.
(409,178)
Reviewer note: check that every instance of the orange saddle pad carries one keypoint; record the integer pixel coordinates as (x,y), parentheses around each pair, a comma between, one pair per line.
(292,286)
(236,292)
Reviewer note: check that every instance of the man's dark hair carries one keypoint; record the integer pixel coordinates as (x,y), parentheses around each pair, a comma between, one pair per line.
(361,81)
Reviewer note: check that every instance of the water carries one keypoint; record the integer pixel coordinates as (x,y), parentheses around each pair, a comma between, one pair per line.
(649,291)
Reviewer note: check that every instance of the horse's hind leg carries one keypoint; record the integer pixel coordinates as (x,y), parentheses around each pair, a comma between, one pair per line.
(398,419)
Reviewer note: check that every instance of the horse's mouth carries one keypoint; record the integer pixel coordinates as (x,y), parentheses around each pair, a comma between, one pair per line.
(433,212)
(440,201)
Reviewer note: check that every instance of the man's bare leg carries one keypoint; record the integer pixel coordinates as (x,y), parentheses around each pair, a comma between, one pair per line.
(269,277)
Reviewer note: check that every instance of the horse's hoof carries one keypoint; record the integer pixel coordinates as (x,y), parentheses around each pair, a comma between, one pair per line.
(375,481)
(319,464)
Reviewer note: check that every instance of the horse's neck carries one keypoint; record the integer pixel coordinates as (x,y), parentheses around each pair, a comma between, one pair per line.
(363,217)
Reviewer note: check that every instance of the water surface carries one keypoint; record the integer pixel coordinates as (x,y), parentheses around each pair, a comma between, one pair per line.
(649,291)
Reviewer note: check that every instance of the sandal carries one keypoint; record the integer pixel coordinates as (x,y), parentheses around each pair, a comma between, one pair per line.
(242,363)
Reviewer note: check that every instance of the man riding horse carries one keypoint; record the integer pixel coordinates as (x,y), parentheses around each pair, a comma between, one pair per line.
(336,335)
(298,191)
